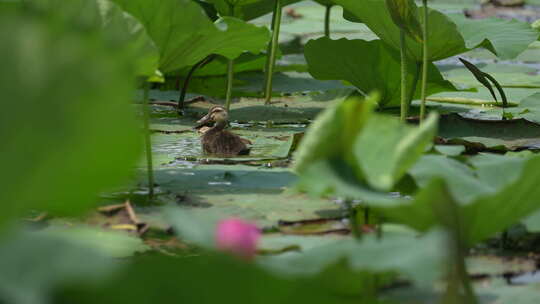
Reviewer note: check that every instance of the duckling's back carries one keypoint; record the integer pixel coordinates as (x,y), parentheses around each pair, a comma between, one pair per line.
(224,143)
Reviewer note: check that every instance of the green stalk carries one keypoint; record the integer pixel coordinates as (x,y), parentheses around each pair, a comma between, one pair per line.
(424,63)
(504,236)
(452,293)
(327,21)
(183,89)
(366,215)
(404,101)
(147,140)
(379,228)
(230,71)
(272,51)
(465,280)
(460,274)
(353,220)
(230,76)
(458,248)
(414,83)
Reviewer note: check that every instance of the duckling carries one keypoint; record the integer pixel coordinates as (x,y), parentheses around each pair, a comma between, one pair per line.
(202,129)
(216,140)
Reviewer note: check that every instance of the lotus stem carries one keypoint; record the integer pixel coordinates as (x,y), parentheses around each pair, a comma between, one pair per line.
(230,72)
(147,140)
(412,91)
(424,63)
(230,76)
(353,219)
(272,51)
(458,249)
(461,271)
(466,282)
(458,280)
(327,20)
(379,228)
(366,215)
(504,235)
(404,101)
(183,89)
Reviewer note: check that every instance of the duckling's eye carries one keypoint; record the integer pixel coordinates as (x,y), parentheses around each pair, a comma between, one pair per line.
(219,115)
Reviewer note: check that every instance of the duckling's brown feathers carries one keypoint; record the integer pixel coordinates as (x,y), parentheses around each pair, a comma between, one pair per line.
(222,142)
(216,140)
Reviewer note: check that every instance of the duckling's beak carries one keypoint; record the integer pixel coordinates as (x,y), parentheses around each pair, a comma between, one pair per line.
(203,121)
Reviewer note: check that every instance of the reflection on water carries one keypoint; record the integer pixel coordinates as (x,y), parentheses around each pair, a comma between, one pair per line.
(527,278)
(184,149)
(181,163)
(219,183)
(453,61)
(180,146)
(254,125)
(177,147)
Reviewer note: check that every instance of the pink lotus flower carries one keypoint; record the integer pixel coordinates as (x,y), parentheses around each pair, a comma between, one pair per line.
(238,237)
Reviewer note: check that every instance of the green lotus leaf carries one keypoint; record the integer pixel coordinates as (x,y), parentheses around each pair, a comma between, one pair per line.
(185,35)
(405,15)
(448,35)
(247,9)
(368,65)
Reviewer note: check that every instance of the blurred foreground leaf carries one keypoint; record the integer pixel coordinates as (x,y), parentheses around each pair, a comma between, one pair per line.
(200,279)
(346,143)
(119,30)
(481,218)
(67,127)
(356,265)
(115,244)
(34,265)
(400,147)
(479,175)
(332,133)
(398,254)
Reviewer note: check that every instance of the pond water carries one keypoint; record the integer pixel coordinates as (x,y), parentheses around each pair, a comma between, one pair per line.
(527,278)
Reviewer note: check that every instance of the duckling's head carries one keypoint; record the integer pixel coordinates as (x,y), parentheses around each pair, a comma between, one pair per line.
(217,114)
